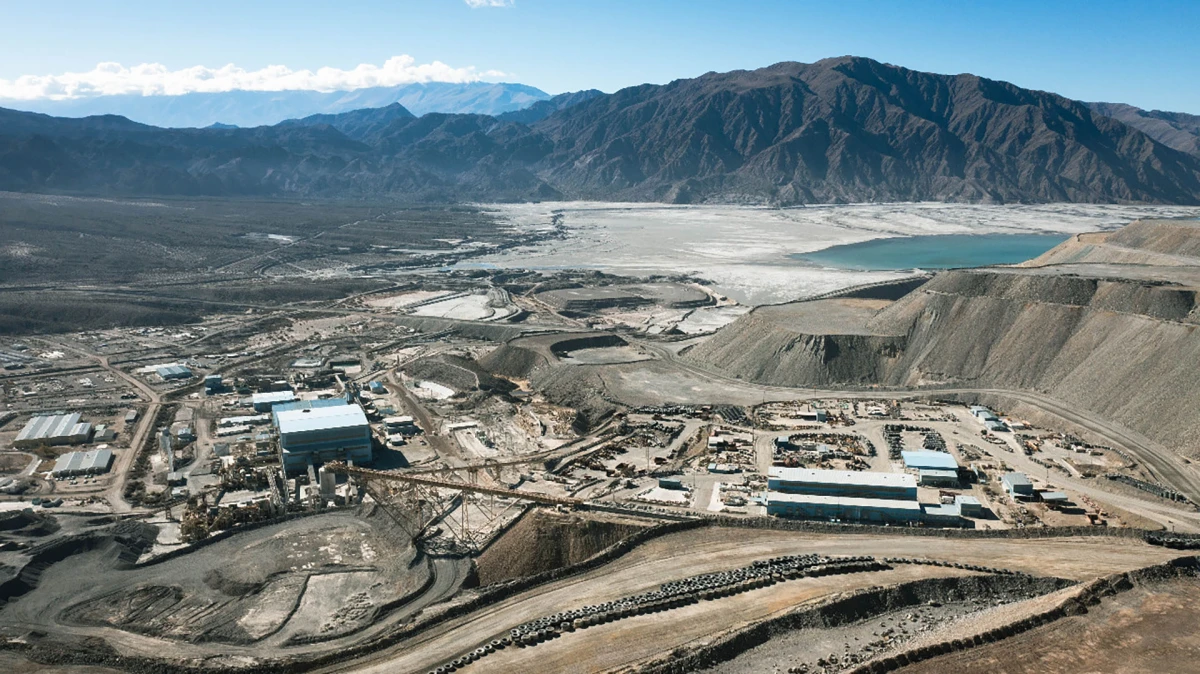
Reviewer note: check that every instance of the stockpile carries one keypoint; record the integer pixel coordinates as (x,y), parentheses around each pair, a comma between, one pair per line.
(543,540)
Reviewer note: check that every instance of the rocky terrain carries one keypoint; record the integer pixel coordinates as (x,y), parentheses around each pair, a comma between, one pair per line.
(840,130)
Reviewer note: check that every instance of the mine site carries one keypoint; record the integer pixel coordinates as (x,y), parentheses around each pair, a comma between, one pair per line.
(323,453)
(655,337)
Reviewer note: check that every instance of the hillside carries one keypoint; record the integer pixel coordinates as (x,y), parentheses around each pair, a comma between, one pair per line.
(1145,242)
(1109,339)
(840,130)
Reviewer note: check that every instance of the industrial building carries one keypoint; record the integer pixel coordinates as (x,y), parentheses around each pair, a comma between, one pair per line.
(53,429)
(403,425)
(169,372)
(1017,485)
(842,483)
(318,434)
(943,515)
(93,462)
(1054,498)
(826,507)
(968,506)
(265,402)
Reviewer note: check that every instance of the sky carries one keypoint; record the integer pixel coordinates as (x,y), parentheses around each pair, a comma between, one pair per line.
(1146,52)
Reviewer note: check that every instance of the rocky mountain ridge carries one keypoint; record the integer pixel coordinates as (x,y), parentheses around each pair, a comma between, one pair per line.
(839,130)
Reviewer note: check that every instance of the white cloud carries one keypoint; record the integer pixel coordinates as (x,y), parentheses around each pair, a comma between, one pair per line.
(153,79)
(489,3)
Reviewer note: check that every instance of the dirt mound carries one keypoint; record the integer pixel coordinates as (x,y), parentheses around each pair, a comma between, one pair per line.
(460,374)
(513,361)
(544,540)
(28,523)
(1144,242)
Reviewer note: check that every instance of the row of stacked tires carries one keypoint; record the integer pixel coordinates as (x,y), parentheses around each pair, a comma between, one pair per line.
(1174,541)
(916,655)
(670,596)
(951,565)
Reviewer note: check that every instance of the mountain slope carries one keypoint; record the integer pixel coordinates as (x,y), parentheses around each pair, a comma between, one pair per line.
(852,129)
(259,108)
(1173,129)
(839,130)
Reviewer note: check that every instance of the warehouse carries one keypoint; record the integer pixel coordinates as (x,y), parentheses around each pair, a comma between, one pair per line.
(169,372)
(92,462)
(929,461)
(265,402)
(813,506)
(1017,485)
(943,515)
(968,506)
(842,483)
(323,434)
(54,429)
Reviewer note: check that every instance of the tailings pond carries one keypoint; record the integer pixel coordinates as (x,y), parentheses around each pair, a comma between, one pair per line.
(943,251)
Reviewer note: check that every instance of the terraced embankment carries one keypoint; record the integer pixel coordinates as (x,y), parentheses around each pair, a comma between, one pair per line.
(1111,346)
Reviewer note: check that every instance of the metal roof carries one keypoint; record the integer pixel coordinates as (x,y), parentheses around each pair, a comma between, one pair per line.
(1017,479)
(321,418)
(942,510)
(1055,496)
(306,405)
(938,472)
(929,460)
(273,397)
(964,499)
(51,426)
(844,477)
(173,372)
(845,501)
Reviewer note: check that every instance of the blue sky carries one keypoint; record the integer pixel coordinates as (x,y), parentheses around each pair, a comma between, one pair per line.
(1144,53)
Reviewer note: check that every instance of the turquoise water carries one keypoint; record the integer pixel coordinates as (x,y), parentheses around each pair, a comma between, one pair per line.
(934,252)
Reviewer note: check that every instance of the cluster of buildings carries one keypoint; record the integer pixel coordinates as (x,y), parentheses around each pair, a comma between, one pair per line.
(858,496)
(988,418)
(314,431)
(1019,487)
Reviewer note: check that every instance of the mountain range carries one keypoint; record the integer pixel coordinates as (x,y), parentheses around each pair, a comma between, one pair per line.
(262,108)
(846,129)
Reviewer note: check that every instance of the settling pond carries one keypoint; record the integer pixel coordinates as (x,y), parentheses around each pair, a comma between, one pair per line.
(943,251)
